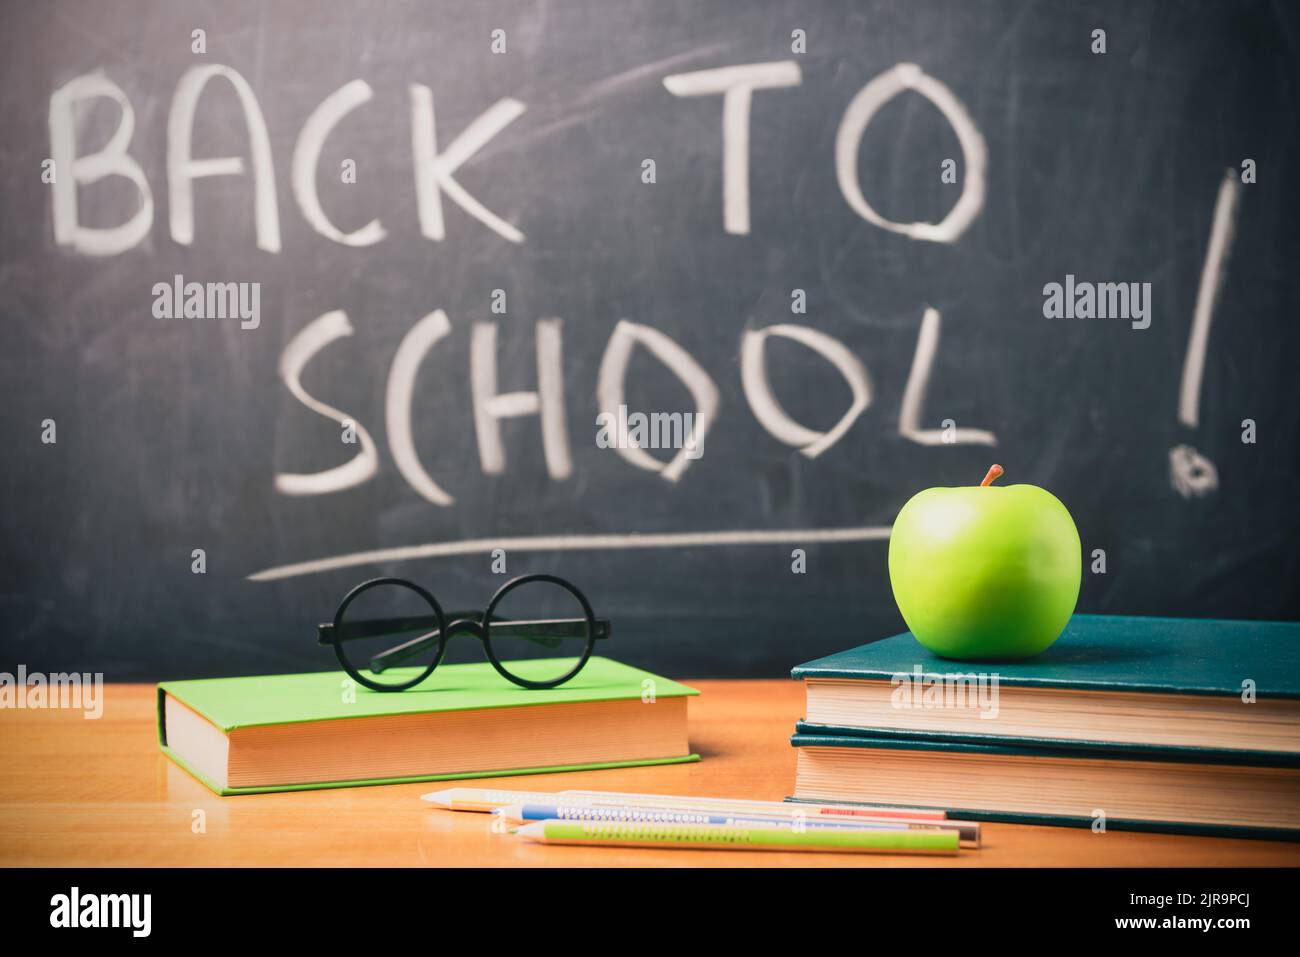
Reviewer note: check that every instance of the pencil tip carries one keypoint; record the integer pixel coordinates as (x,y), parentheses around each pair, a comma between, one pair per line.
(536,830)
(440,798)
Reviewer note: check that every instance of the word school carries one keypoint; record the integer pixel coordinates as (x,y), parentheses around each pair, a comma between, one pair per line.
(626,435)
(68,170)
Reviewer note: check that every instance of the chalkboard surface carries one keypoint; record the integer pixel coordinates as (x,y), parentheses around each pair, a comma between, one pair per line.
(456,233)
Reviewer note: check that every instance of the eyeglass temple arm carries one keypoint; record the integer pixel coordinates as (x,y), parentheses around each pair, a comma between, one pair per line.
(547,632)
(407,649)
(373,628)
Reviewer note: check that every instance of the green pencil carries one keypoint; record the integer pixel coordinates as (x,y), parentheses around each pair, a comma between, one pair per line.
(738,837)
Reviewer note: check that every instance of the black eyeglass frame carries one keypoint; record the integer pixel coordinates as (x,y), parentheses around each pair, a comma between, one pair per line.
(462,623)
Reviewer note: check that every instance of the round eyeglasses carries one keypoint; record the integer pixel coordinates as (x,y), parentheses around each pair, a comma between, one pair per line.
(537,631)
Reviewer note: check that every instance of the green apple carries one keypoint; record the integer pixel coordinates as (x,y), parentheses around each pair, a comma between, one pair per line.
(985,572)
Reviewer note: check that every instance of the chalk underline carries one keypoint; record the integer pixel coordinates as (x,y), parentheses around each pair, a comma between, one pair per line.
(570,543)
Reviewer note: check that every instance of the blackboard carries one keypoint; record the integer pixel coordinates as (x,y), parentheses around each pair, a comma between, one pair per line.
(146,534)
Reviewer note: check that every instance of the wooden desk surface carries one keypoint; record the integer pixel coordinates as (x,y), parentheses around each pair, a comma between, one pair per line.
(77,792)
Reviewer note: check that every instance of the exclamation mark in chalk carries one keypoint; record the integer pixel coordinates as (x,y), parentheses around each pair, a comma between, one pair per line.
(1191,473)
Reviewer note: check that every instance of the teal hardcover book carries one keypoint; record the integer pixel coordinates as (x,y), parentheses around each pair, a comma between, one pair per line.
(1121,789)
(1113,653)
(1187,688)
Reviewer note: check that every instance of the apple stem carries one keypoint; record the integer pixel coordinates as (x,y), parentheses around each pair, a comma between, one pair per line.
(995,472)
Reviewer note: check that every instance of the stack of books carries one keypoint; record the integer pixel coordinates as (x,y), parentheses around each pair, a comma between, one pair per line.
(1127,723)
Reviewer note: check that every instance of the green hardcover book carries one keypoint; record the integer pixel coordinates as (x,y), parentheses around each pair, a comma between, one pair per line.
(1242,796)
(1185,688)
(303,731)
